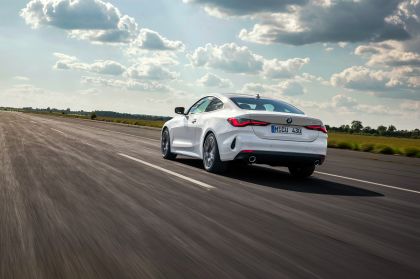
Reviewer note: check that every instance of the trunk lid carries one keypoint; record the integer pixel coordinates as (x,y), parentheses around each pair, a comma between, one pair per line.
(284,126)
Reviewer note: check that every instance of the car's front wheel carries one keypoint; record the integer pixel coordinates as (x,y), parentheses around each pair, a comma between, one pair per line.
(165,145)
(211,157)
(302,171)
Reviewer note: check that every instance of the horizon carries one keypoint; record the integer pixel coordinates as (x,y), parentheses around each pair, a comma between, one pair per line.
(148,57)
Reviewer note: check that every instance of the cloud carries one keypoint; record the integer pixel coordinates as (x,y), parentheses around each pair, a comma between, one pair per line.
(232,58)
(150,71)
(212,80)
(228,57)
(403,82)
(106,67)
(21,78)
(275,68)
(284,88)
(389,53)
(151,40)
(333,21)
(96,21)
(244,7)
(126,84)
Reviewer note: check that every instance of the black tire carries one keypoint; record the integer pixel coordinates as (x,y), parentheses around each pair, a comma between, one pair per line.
(211,156)
(302,171)
(165,145)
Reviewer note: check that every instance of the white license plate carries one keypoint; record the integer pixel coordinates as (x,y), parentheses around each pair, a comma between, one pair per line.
(280,129)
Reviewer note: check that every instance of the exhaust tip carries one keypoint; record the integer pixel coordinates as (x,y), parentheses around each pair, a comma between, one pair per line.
(252,159)
(317,163)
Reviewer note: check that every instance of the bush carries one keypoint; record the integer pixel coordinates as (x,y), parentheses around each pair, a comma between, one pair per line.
(344,145)
(386,150)
(93,115)
(332,144)
(367,147)
(411,152)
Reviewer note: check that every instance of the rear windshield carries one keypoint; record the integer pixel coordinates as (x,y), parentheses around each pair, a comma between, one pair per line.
(250,103)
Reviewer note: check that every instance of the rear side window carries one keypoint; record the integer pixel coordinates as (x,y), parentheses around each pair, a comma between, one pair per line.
(200,106)
(262,104)
(215,104)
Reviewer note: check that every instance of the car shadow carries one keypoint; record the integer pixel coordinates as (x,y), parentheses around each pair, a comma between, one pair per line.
(276,178)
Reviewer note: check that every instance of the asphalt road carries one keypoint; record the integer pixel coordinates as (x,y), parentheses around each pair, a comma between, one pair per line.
(83,199)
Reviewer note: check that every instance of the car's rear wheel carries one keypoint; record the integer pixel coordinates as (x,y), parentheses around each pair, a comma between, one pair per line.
(211,157)
(165,145)
(301,171)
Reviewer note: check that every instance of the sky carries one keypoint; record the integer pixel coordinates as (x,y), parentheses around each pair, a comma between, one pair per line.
(337,60)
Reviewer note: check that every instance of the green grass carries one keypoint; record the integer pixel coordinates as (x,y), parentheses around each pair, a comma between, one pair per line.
(376,144)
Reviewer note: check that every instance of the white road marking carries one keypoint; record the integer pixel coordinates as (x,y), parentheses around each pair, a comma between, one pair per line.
(122,133)
(368,182)
(199,183)
(58,131)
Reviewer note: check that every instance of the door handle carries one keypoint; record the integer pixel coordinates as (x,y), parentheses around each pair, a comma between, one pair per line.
(193,121)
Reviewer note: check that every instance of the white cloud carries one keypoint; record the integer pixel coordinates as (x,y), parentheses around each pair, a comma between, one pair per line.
(151,40)
(21,78)
(228,57)
(125,84)
(150,71)
(96,21)
(284,88)
(240,59)
(402,82)
(107,67)
(212,80)
(275,68)
(389,53)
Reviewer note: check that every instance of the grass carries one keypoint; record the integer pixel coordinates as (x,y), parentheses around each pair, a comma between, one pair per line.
(375,144)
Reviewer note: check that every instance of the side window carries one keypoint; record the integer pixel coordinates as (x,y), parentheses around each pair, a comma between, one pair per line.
(200,106)
(215,104)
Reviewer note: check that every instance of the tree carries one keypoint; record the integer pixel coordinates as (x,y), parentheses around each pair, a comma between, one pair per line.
(391,128)
(93,115)
(381,129)
(367,130)
(356,126)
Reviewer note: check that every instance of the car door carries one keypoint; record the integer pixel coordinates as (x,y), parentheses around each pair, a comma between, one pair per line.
(184,133)
(196,123)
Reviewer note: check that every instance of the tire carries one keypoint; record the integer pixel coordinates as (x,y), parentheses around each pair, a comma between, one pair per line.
(165,145)
(302,171)
(211,156)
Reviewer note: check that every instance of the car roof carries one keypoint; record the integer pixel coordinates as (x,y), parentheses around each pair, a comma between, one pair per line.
(230,95)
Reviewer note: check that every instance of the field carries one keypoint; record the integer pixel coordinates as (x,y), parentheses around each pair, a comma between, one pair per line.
(376,144)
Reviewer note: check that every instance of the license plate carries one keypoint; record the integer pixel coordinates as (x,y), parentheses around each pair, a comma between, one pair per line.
(279,129)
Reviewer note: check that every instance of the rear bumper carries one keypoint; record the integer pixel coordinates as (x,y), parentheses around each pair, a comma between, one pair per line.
(282,158)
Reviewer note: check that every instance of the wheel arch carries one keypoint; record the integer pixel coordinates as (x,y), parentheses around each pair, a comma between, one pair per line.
(205,134)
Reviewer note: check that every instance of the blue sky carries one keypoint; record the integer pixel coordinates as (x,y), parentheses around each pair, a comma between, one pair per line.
(339,60)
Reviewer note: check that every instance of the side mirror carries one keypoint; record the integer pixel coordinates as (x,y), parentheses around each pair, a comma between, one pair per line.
(179,110)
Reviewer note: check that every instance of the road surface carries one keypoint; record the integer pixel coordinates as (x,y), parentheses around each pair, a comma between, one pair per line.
(84,199)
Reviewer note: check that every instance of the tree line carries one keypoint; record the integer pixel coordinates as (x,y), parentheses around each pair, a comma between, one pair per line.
(356,127)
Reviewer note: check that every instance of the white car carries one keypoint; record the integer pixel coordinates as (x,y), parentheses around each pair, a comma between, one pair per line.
(222,128)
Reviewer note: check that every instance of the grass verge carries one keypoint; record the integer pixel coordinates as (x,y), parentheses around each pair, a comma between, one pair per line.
(375,144)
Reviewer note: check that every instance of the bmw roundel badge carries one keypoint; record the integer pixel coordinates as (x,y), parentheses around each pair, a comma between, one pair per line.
(289,120)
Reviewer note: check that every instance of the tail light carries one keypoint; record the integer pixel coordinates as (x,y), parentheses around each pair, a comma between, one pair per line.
(320,128)
(242,122)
